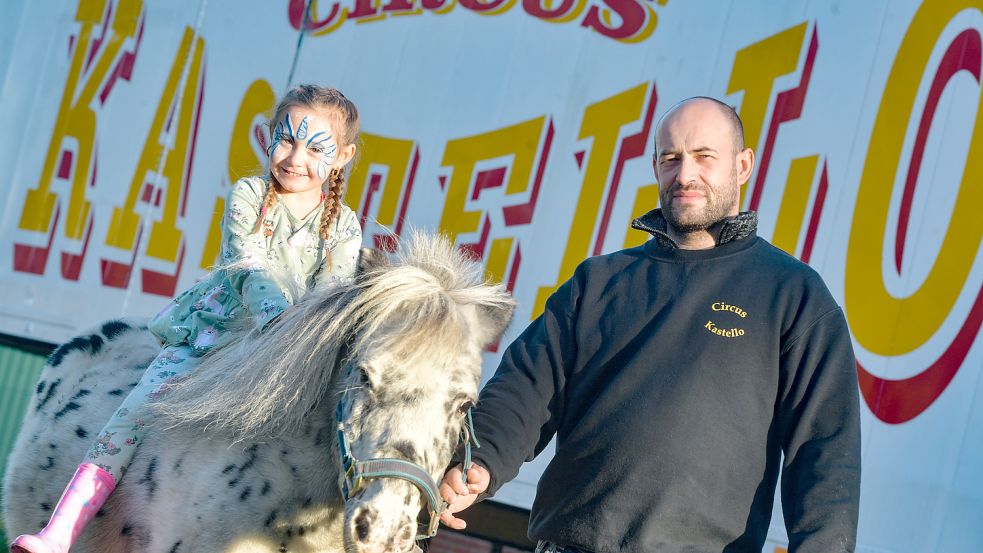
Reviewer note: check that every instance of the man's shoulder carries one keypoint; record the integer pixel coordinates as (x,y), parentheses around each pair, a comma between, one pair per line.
(792,279)
(776,259)
(612,261)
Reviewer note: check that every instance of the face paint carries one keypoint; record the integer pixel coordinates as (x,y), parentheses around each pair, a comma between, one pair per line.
(284,129)
(302,129)
(328,149)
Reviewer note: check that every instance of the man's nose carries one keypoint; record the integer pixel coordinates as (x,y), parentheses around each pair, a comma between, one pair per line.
(688,170)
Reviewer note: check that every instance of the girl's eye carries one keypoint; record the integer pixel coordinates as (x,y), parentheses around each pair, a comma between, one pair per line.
(317,149)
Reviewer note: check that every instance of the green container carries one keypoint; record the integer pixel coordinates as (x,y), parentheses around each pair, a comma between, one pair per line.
(19,371)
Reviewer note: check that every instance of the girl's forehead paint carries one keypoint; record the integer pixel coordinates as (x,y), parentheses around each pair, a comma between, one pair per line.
(283,128)
(302,129)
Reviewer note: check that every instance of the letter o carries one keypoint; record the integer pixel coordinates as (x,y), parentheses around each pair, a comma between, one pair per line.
(868,303)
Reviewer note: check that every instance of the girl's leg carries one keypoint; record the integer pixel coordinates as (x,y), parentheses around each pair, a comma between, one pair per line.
(117,442)
(107,459)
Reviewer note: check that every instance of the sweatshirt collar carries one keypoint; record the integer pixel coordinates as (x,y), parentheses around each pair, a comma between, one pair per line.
(745,224)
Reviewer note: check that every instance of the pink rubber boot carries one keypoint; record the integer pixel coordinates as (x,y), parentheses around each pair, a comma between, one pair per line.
(80,501)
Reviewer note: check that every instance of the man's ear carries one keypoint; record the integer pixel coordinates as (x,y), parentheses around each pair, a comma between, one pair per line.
(745,165)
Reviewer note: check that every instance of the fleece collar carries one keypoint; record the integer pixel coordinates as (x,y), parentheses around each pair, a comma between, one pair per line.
(745,224)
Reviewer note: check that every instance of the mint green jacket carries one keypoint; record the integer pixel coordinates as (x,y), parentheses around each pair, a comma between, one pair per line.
(250,279)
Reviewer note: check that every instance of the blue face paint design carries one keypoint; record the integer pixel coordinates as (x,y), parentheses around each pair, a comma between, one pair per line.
(302,129)
(282,130)
(330,148)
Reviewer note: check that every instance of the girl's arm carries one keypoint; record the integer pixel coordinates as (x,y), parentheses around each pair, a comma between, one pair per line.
(262,297)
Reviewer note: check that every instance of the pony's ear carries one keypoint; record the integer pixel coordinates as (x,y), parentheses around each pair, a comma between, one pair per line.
(494,319)
(370,259)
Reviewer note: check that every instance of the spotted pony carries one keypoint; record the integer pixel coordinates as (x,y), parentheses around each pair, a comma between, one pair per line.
(244,453)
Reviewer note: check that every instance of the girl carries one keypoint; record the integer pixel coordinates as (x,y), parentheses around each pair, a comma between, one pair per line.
(290,222)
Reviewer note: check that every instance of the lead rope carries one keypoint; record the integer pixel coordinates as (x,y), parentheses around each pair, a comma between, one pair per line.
(468,436)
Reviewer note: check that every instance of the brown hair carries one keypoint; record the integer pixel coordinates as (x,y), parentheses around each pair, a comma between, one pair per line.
(345,116)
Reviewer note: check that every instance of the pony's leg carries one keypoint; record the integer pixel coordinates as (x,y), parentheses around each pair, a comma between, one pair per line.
(109,455)
(83,497)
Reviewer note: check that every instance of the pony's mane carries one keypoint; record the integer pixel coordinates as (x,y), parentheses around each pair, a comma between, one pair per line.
(266,383)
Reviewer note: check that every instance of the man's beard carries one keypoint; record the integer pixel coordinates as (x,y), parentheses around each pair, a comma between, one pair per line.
(715,209)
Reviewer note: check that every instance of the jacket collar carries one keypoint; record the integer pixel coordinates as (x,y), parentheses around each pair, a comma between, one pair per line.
(745,224)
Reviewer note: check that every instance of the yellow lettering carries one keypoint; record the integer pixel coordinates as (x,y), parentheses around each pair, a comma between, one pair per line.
(76,118)
(397,156)
(521,143)
(165,237)
(602,122)
(257,103)
(788,225)
(754,71)
(868,303)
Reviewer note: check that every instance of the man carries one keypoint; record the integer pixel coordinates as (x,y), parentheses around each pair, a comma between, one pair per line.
(675,374)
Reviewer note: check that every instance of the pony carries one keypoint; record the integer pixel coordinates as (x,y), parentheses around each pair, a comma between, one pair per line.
(323,432)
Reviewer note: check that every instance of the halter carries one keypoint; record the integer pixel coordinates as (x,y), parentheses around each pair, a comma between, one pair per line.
(357,473)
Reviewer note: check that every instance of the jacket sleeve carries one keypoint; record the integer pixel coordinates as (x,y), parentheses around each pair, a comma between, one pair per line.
(820,429)
(520,408)
(344,246)
(243,246)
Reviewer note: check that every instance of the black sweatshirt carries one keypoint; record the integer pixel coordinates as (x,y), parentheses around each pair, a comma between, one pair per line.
(673,380)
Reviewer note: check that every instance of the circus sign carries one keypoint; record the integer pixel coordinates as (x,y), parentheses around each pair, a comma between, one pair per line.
(523,130)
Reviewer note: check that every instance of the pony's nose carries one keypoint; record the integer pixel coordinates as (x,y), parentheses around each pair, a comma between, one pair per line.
(400,541)
(363,524)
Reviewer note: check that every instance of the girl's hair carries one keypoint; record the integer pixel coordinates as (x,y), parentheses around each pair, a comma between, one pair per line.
(345,122)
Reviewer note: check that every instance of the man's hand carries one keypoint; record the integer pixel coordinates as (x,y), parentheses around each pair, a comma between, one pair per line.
(458,495)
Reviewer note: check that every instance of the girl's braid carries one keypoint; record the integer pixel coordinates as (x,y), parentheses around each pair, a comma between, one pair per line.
(268,202)
(332,202)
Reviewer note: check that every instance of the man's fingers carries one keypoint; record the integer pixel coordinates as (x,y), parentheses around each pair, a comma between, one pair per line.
(478,479)
(452,521)
(452,484)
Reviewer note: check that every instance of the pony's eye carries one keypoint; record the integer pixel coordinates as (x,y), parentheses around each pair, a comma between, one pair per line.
(463,409)
(363,377)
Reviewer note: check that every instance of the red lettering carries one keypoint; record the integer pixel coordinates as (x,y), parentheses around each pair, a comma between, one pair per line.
(364,8)
(632,14)
(435,4)
(295,13)
(535,8)
(398,6)
(480,6)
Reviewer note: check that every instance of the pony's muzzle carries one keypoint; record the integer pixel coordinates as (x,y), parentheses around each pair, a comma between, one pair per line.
(370,538)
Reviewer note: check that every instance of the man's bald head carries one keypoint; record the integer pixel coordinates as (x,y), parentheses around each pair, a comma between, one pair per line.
(736,126)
